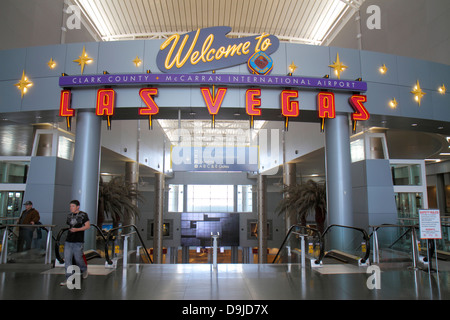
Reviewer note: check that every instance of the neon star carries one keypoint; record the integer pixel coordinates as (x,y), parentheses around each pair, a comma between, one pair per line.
(137,61)
(23,84)
(418,93)
(83,59)
(51,64)
(338,66)
(292,67)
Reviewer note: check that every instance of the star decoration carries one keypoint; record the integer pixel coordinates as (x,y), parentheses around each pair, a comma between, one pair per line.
(83,59)
(52,63)
(442,89)
(137,61)
(23,84)
(418,93)
(383,69)
(393,103)
(292,67)
(338,66)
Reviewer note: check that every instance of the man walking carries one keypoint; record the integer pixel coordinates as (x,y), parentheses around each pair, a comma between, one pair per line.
(29,216)
(78,222)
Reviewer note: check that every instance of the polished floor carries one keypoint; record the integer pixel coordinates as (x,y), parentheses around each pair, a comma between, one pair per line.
(227,282)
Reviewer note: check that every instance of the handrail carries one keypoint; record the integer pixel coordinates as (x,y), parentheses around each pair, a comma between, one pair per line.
(291,231)
(108,260)
(365,237)
(7,227)
(410,228)
(58,238)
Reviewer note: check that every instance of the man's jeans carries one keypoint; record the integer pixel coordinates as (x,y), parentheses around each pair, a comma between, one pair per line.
(73,254)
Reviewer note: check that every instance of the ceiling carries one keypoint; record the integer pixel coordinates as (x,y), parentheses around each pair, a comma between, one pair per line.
(299,21)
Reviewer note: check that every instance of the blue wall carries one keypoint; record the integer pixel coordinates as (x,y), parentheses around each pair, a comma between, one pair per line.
(312,61)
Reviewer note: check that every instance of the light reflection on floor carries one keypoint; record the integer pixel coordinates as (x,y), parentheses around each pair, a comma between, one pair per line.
(227,282)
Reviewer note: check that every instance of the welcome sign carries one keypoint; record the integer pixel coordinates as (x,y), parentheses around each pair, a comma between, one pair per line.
(210,49)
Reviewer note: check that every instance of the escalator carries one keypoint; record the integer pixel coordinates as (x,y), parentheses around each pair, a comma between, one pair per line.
(89,255)
(337,245)
(112,239)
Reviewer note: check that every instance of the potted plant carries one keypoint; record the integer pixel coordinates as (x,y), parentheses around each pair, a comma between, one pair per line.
(305,198)
(117,200)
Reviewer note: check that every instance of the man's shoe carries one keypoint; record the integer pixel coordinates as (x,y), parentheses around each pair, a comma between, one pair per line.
(85,274)
(64,283)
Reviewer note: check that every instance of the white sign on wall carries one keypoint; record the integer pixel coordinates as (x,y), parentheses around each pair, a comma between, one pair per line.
(430,224)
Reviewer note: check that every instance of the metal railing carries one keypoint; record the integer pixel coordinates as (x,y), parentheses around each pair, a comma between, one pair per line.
(410,230)
(8,232)
(363,232)
(60,234)
(110,235)
(295,230)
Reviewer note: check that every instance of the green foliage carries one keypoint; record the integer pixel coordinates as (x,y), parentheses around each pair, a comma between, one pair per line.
(303,199)
(117,200)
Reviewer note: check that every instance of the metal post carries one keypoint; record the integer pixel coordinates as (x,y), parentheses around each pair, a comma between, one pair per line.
(215,236)
(158,218)
(376,253)
(125,250)
(414,247)
(4,257)
(48,251)
(262,219)
(289,179)
(303,251)
(86,167)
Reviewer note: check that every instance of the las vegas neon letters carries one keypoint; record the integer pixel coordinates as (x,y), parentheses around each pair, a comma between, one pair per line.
(326,105)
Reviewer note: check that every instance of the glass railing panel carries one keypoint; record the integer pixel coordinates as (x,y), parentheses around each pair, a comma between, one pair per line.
(32,251)
(395,244)
(444,243)
(441,244)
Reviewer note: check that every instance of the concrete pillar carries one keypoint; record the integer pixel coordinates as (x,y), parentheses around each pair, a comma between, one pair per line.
(262,219)
(339,175)
(440,193)
(86,171)
(132,177)
(185,254)
(338,169)
(158,218)
(290,179)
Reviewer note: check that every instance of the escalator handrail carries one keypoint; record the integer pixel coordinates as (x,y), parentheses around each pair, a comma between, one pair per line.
(109,236)
(365,237)
(288,235)
(61,232)
(410,228)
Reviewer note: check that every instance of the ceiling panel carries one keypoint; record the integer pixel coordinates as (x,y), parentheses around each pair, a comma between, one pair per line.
(300,21)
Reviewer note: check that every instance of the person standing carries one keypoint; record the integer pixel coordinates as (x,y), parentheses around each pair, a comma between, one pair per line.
(78,222)
(29,216)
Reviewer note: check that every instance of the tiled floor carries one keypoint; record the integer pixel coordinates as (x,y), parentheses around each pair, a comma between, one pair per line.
(228,282)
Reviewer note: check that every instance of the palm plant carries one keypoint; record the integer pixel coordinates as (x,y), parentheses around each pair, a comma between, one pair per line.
(117,200)
(303,198)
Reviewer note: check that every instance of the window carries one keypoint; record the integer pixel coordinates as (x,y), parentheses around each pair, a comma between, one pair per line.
(244,198)
(210,198)
(176,197)
(406,174)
